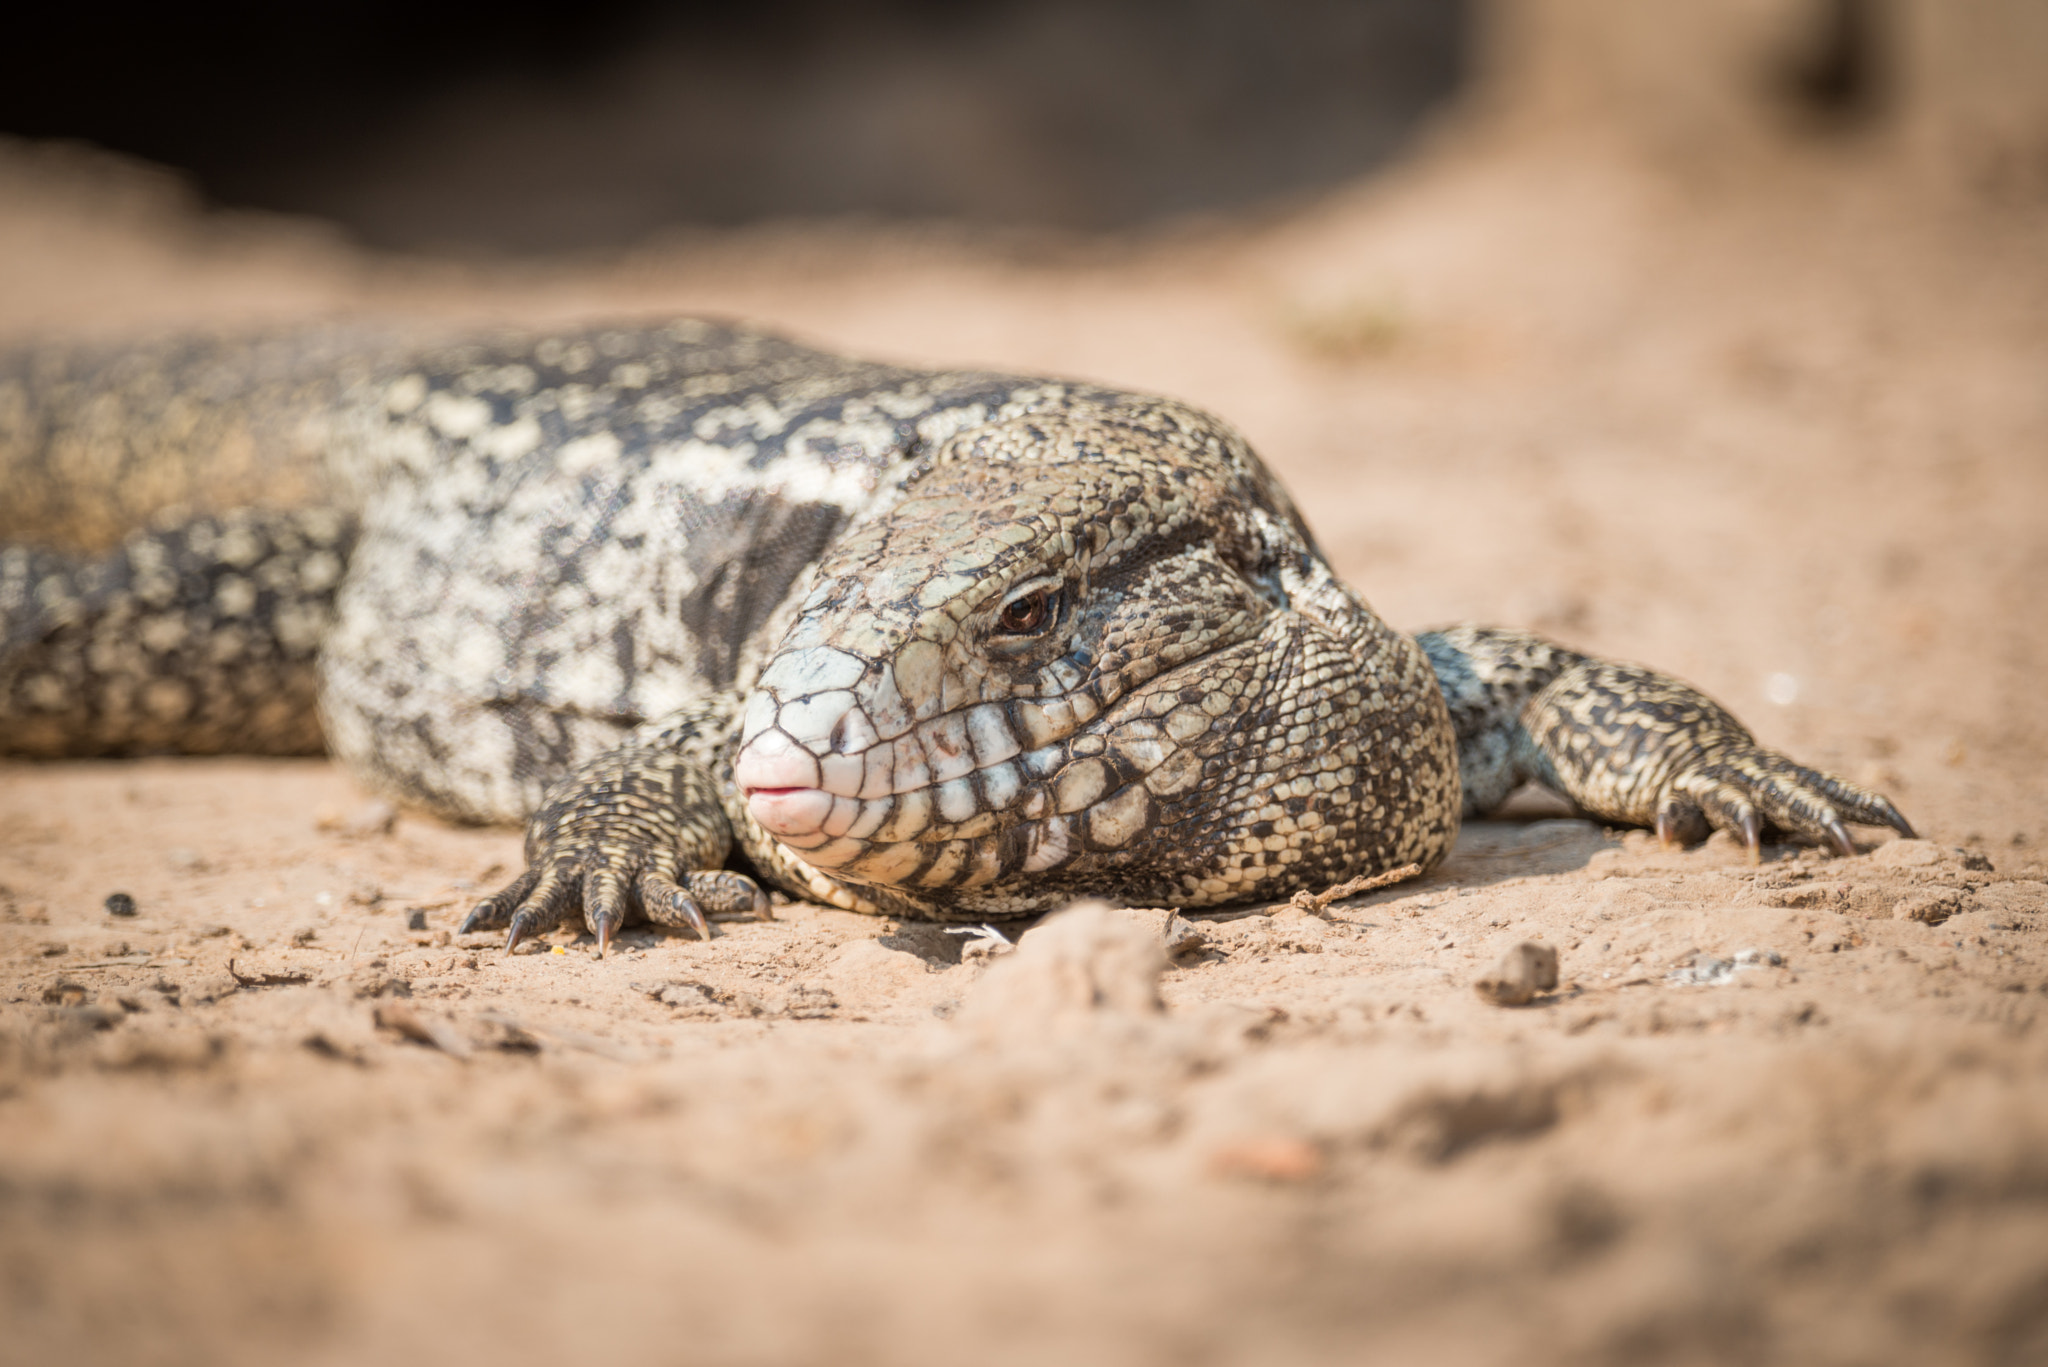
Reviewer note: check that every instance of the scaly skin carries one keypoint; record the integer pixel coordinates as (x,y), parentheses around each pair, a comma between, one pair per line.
(950,645)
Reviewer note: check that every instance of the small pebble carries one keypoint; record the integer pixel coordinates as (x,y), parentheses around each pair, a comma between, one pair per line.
(1704,970)
(1523,971)
(1182,938)
(120,904)
(416,919)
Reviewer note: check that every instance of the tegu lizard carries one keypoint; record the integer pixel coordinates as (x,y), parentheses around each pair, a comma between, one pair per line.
(942,644)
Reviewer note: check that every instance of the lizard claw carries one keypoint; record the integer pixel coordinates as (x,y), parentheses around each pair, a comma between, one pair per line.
(692,913)
(668,903)
(496,910)
(1751,790)
(604,906)
(1680,822)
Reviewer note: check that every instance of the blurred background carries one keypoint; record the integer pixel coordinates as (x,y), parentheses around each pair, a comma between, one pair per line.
(522,127)
(535,127)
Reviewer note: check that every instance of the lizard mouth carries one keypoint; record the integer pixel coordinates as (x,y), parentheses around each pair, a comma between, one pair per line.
(789,811)
(780,780)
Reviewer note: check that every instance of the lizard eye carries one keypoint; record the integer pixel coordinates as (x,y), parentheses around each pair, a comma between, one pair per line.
(1030,614)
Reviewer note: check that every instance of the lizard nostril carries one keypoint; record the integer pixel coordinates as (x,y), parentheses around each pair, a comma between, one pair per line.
(838,738)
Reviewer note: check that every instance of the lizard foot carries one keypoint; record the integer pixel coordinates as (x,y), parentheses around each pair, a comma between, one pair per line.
(1630,744)
(627,837)
(609,896)
(1750,790)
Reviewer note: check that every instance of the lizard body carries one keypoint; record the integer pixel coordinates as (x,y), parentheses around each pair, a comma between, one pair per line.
(931,643)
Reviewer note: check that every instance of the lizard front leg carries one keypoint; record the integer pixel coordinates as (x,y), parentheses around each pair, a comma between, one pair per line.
(1628,744)
(636,833)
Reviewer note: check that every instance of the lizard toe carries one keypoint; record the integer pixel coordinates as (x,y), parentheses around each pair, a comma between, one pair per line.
(552,898)
(604,906)
(667,903)
(723,893)
(496,909)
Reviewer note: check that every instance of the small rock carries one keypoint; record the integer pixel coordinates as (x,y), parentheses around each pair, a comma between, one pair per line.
(416,919)
(64,994)
(120,904)
(1183,938)
(1524,971)
(1928,908)
(51,951)
(305,935)
(1703,970)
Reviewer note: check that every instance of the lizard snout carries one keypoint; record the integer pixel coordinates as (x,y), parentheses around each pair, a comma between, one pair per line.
(780,779)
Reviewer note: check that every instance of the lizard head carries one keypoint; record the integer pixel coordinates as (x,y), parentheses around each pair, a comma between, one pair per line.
(1091,651)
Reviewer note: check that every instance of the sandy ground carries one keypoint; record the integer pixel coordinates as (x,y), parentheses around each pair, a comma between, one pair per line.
(1780,428)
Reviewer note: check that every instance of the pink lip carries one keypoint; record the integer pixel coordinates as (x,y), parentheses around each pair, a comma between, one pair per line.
(789,811)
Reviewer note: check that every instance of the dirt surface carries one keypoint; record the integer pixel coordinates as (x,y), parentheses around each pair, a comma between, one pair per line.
(1779,428)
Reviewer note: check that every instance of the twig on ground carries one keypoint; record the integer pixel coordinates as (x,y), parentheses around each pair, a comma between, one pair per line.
(1315,902)
(265,979)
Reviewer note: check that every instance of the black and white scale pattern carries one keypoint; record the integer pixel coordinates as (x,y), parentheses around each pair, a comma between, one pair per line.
(589,577)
